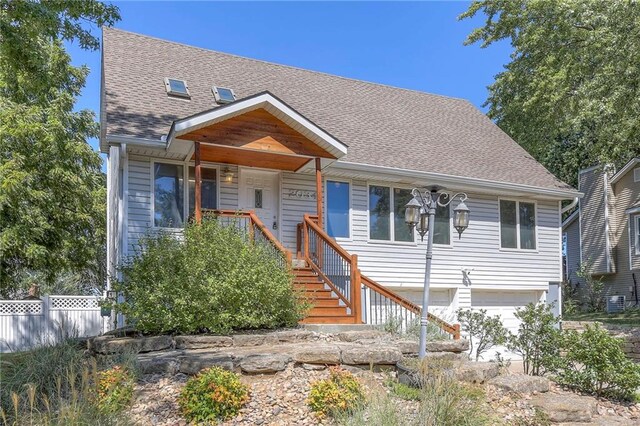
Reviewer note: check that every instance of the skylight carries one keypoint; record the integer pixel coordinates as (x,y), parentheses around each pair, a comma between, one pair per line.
(177,87)
(223,95)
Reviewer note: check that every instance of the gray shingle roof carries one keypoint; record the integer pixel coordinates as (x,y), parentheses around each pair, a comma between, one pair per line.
(382,125)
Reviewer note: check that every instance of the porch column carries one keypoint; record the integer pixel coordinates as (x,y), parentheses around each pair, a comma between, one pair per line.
(198,189)
(319,191)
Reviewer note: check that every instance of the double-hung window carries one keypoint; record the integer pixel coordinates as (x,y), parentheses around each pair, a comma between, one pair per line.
(386,216)
(168,195)
(517,225)
(337,209)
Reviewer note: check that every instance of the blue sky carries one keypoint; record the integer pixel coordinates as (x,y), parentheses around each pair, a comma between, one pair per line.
(416,45)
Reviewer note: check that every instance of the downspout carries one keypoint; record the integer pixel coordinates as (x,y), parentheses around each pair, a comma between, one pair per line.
(570,206)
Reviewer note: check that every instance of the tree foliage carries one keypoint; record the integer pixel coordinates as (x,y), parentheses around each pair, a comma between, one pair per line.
(52,190)
(484,330)
(571,93)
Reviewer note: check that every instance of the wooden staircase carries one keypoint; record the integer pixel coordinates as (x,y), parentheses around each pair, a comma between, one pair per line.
(326,306)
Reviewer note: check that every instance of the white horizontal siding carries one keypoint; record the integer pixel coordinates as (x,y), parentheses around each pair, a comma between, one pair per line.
(402,265)
(397,265)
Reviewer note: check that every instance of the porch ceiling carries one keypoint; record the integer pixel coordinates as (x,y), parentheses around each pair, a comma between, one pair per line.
(253,158)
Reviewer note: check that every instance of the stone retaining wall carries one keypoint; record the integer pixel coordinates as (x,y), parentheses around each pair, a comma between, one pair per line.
(257,353)
(630,335)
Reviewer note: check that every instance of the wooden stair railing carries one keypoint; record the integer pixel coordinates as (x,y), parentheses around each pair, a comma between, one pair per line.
(339,270)
(255,228)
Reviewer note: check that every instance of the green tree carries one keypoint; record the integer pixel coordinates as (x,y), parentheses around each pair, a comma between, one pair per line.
(52,190)
(570,94)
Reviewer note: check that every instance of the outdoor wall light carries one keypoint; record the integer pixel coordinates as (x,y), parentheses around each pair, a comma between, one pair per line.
(227,175)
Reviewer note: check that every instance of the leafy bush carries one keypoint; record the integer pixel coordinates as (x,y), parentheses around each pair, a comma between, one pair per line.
(214,394)
(115,389)
(339,394)
(593,289)
(537,340)
(485,330)
(214,280)
(595,362)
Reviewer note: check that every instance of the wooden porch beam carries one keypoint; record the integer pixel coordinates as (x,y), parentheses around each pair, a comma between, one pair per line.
(198,189)
(319,191)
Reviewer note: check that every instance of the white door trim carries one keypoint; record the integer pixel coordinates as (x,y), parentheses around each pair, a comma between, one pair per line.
(278,194)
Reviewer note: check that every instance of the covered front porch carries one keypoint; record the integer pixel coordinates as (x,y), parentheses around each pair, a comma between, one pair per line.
(277,158)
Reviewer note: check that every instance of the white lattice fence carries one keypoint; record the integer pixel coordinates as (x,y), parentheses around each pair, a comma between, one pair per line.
(27,323)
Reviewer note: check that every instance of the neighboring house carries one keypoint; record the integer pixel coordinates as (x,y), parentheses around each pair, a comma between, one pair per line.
(604,234)
(287,142)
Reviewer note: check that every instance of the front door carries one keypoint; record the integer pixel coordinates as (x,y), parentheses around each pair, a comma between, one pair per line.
(259,191)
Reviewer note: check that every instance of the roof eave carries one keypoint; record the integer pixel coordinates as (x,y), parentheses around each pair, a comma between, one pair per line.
(453,180)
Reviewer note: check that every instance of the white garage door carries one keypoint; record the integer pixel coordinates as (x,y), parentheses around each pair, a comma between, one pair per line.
(439,301)
(503,303)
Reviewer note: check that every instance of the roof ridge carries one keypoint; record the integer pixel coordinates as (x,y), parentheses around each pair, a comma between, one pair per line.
(388,86)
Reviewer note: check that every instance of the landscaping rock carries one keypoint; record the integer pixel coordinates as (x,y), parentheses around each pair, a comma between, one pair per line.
(355,335)
(293,336)
(447,356)
(264,363)
(568,408)
(477,372)
(317,354)
(192,362)
(456,346)
(110,344)
(254,339)
(521,383)
(355,355)
(313,367)
(407,347)
(164,363)
(203,342)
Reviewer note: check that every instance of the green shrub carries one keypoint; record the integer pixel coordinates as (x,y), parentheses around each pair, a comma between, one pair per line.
(214,394)
(595,362)
(592,290)
(486,331)
(403,391)
(115,389)
(537,340)
(213,280)
(338,395)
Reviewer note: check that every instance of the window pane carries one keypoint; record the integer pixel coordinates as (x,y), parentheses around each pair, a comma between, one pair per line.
(209,189)
(400,228)
(337,209)
(379,213)
(442,231)
(508,238)
(527,226)
(168,195)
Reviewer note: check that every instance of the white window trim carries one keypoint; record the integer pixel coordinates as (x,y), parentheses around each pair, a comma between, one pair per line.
(391,217)
(636,237)
(325,206)
(185,188)
(535,215)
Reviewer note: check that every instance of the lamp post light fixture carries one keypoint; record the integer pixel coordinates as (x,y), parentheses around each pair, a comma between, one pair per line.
(420,214)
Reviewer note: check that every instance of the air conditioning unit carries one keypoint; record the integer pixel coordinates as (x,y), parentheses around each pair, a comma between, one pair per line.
(615,304)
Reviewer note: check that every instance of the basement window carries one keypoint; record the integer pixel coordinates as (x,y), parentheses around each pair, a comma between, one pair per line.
(223,95)
(177,87)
